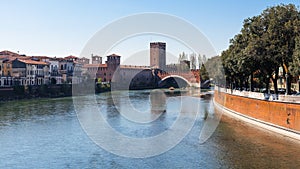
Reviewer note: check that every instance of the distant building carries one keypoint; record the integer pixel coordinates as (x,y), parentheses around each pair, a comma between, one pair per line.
(96,59)
(101,71)
(92,69)
(1,67)
(66,68)
(30,72)
(158,55)
(106,71)
(55,76)
(83,60)
(7,54)
(40,58)
(71,58)
(18,69)
(6,67)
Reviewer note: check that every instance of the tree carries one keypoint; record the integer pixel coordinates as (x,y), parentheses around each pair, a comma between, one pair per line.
(182,57)
(265,43)
(193,61)
(200,61)
(204,59)
(295,64)
(282,25)
(215,69)
(203,73)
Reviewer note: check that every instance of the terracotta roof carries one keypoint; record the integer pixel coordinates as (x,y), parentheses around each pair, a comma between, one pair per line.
(71,57)
(40,57)
(3,57)
(53,59)
(59,59)
(114,55)
(14,57)
(83,58)
(33,62)
(94,65)
(6,52)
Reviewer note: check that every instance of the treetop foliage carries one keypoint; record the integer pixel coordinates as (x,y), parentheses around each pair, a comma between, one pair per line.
(265,43)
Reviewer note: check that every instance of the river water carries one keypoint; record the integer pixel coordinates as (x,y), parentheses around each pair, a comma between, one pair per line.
(46,133)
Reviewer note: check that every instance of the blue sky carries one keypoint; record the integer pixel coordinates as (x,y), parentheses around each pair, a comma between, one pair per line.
(63,27)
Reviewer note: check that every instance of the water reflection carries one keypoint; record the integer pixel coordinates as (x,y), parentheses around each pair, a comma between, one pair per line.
(34,110)
(110,108)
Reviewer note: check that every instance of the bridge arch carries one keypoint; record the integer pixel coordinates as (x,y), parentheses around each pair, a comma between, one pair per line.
(176,76)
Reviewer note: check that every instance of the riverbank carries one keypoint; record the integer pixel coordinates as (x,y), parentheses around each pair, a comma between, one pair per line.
(43,91)
(32,92)
(281,117)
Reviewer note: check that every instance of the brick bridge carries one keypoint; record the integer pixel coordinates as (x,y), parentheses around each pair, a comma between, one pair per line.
(192,78)
(136,77)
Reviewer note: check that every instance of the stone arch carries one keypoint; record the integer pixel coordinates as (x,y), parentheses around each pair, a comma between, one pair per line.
(176,76)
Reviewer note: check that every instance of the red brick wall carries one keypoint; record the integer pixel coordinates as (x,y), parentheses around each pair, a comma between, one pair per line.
(283,114)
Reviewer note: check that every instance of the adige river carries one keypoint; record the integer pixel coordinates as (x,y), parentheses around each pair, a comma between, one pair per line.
(46,133)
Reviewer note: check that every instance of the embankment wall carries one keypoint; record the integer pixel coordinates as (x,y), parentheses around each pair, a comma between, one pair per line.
(283,114)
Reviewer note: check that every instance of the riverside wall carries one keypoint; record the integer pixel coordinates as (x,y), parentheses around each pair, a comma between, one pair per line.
(285,114)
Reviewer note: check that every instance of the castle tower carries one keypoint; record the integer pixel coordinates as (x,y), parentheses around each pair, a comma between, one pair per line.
(113,61)
(158,55)
(96,59)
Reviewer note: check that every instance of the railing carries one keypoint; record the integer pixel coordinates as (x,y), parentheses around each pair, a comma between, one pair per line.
(261,96)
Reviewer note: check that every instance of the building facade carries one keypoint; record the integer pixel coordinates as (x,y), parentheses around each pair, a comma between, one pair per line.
(6,67)
(30,72)
(18,69)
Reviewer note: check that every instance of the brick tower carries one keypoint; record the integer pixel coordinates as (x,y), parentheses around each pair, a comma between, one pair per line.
(158,55)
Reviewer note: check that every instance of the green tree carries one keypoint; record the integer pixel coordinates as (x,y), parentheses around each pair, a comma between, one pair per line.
(182,57)
(203,73)
(193,61)
(215,69)
(282,25)
(265,43)
(295,64)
